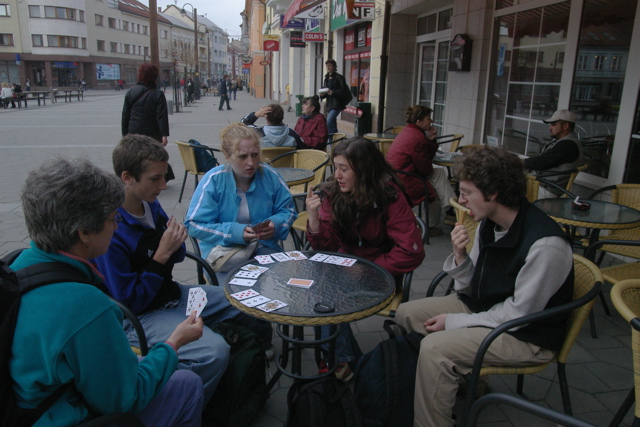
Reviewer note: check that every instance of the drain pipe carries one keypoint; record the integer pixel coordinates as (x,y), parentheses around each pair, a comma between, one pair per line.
(384,62)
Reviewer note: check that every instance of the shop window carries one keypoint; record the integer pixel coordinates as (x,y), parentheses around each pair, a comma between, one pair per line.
(4,10)
(6,39)
(36,40)
(34,11)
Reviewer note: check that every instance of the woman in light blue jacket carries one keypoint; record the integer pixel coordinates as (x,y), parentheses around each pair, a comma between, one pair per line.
(233,198)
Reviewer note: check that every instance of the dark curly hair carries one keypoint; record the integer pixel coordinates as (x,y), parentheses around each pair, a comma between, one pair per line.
(493,171)
(148,74)
(372,190)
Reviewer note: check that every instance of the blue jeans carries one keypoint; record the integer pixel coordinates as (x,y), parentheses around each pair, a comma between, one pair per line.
(332,124)
(347,348)
(208,357)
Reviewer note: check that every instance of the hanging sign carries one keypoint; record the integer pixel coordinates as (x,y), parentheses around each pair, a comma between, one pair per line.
(296,39)
(314,37)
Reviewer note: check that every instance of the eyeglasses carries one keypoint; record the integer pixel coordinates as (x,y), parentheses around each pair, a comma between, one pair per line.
(117,218)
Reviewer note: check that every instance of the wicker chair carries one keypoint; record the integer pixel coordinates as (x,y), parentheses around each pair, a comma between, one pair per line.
(188,154)
(269,153)
(617,273)
(587,285)
(394,129)
(403,294)
(313,160)
(626,299)
(628,195)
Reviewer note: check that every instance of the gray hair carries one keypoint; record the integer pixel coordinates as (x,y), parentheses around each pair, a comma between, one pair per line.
(62,198)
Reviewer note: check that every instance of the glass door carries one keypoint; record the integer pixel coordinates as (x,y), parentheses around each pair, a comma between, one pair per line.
(432,82)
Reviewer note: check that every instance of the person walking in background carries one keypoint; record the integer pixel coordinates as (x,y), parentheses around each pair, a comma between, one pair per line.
(145,109)
(337,93)
(311,126)
(223,90)
(234,88)
(27,85)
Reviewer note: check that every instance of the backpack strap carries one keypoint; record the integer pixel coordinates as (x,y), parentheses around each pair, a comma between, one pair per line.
(47,273)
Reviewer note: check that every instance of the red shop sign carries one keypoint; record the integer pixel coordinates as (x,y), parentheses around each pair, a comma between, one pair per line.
(271,46)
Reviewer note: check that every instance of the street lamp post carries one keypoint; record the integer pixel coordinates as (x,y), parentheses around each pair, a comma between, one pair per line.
(195,34)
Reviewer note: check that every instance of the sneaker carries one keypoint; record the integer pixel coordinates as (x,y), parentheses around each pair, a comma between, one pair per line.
(229,108)
(270,352)
(344,373)
(435,232)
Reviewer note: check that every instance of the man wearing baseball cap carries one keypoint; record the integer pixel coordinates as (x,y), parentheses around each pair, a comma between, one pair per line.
(562,154)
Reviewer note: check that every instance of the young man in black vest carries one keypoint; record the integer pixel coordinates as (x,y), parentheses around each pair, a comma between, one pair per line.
(521,263)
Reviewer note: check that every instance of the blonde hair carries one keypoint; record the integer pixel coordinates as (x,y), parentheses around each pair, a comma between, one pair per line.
(232,134)
(5,84)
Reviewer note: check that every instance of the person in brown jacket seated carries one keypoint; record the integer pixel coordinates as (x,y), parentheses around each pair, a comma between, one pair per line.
(413,151)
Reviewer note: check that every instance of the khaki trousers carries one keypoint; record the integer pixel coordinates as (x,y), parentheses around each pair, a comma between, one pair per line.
(447,355)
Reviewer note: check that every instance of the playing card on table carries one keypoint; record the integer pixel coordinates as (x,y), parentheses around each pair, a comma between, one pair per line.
(251,267)
(242,282)
(197,301)
(264,259)
(319,257)
(271,305)
(281,256)
(347,262)
(252,302)
(296,255)
(332,259)
(302,283)
(245,294)
(248,274)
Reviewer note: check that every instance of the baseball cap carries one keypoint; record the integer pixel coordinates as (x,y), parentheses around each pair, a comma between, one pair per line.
(565,115)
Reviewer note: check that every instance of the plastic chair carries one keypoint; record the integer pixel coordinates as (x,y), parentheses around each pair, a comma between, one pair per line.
(453,139)
(625,296)
(587,285)
(403,294)
(187,152)
(313,160)
(269,153)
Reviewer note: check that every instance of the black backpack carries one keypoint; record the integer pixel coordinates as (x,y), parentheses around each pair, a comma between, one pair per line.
(242,390)
(385,380)
(204,159)
(14,284)
(326,402)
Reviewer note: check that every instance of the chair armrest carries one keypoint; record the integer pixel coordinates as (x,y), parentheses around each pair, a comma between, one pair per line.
(556,186)
(544,314)
(288,153)
(591,250)
(602,190)
(203,265)
(435,282)
(137,326)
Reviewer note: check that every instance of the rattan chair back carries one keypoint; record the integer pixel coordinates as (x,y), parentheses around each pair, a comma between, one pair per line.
(269,153)
(394,129)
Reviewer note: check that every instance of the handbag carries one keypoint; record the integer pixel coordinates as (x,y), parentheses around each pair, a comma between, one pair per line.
(224,258)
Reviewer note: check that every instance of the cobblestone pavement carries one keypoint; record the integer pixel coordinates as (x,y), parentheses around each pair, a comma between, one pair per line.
(600,370)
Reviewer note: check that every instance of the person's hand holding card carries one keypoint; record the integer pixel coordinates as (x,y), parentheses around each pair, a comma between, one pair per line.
(264,230)
(188,331)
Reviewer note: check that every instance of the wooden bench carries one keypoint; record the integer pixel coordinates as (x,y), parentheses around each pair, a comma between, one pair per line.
(67,93)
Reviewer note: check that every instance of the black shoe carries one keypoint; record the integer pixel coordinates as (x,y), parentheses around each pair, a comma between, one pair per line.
(229,108)
(219,109)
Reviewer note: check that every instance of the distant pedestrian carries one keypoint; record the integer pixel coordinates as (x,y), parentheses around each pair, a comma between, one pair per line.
(234,89)
(337,93)
(165,83)
(224,91)
(27,85)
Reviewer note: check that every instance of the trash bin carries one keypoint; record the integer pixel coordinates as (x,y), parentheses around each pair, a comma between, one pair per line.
(299,105)
(170,106)
(362,124)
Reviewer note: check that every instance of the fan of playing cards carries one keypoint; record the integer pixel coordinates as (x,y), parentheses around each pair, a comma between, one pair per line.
(248,275)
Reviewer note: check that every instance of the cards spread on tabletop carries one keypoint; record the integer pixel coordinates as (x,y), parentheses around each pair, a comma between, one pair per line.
(245,294)
(271,305)
(302,283)
(248,274)
(257,300)
(338,260)
(251,267)
(264,259)
(197,301)
(296,255)
(281,256)
(319,257)
(242,281)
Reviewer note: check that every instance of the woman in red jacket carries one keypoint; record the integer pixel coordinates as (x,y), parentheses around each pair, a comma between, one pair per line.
(312,126)
(364,212)
(413,151)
